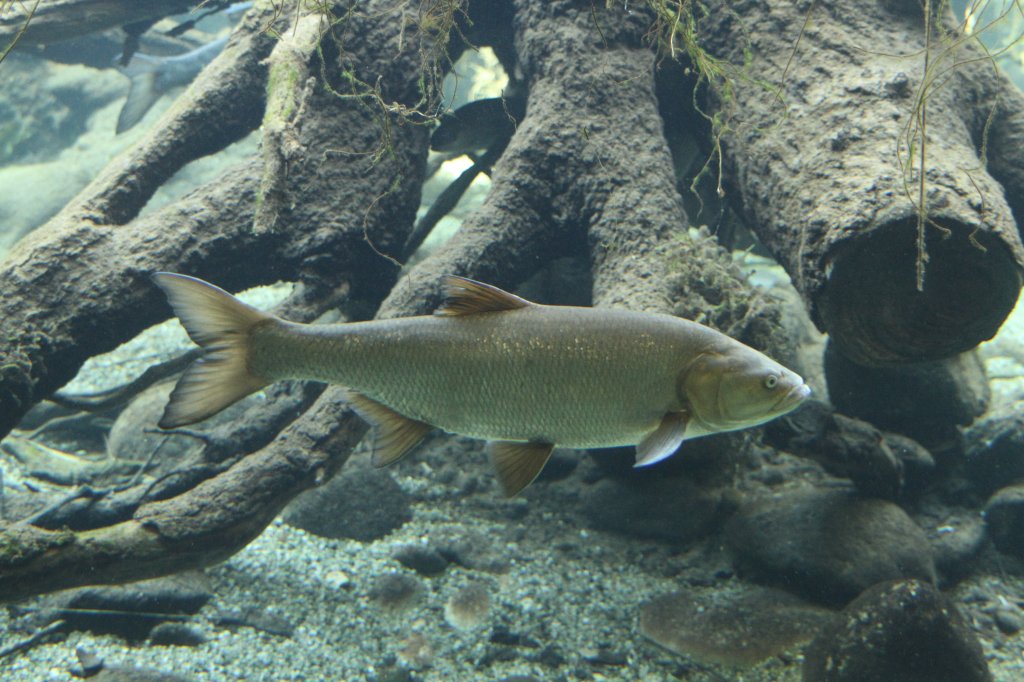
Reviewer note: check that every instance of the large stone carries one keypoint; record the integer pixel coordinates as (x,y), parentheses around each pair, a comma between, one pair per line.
(737,630)
(665,508)
(901,632)
(360,503)
(829,545)
(925,401)
(1004,519)
(995,449)
(880,463)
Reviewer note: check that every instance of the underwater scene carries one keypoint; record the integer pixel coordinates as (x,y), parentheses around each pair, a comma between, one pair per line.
(512,341)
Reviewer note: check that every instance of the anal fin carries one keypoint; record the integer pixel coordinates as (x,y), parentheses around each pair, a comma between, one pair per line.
(394,434)
(518,464)
(663,441)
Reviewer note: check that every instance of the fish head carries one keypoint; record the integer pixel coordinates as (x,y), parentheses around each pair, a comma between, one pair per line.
(738,388)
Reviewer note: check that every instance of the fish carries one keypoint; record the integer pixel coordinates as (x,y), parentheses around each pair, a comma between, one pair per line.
(490,365)
(152,76)
(478,125)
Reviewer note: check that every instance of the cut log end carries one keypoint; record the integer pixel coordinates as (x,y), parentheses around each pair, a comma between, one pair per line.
(875,314)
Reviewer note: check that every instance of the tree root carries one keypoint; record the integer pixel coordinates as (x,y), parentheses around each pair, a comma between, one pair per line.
(828,170)
(584,171)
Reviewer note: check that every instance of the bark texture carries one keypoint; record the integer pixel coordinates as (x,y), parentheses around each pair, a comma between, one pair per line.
(96,260)
(336,206)
(818,172)
(587,173)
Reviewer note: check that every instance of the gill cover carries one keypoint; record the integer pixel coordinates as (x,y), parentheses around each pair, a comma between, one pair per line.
(739,387)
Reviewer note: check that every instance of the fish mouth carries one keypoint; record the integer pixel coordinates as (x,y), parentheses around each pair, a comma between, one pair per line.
(793,397)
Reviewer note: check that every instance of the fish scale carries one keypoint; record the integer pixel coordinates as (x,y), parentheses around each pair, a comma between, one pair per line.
(578,377)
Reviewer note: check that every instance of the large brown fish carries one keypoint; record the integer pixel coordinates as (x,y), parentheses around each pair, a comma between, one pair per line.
(489,364)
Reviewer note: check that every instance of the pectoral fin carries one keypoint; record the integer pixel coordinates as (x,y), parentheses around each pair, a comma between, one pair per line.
(395,434)
(518,464)
(663,441)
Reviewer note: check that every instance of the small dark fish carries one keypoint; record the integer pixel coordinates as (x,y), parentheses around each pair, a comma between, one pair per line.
(478,125)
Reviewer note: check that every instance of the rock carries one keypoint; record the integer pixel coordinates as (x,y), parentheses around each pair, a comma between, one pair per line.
(1008,619)
(176,634)
(395,593)
(904,631)
(737,630)
(829,545)
(925,401)
(468,608)
(880,464)
(416,651)
(134,436)
(1004,519)
(360,503)
(995,449)
(502,636)
(956,543)
(673,509)
(422,559)
(604,655)
(131,610)
(549,656)
(89,663)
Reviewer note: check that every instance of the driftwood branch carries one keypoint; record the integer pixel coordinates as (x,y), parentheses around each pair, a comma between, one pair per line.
(340,208)
(828,171)
(604,186)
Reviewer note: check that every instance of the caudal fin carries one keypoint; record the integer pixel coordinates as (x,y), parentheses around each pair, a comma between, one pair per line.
(220,324)
(143,92)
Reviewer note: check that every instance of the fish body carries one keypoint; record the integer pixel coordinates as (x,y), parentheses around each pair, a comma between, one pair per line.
(578,377)
(494,366)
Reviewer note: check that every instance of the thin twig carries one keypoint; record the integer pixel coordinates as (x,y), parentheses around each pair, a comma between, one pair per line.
(38,637)
(115,397)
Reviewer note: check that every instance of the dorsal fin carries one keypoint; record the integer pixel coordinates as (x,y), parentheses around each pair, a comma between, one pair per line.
(467,297)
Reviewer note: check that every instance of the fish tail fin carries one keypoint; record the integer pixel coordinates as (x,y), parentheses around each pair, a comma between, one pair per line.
(220,324)
(143,92)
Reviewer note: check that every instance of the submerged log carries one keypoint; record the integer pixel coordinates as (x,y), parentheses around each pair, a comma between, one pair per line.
(827,170)
(331,214)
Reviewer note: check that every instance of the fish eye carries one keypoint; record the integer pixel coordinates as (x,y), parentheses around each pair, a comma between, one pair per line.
(771,381)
